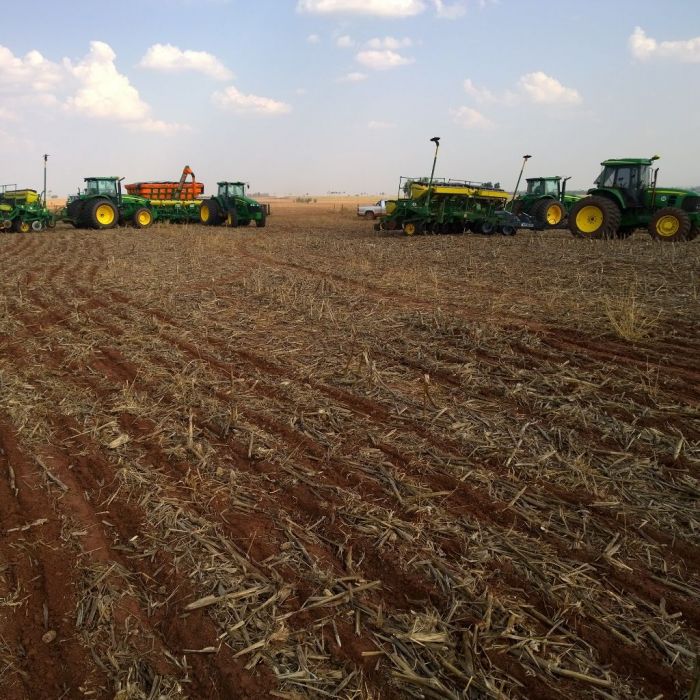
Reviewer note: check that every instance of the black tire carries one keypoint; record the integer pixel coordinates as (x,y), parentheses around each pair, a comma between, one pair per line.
(694,232)
(413,228)
(210,213)
(508,230)
(486,227)
(102,214)
(19,226)
(261,222)
(143,218)
(594,217)
(549,213)
(369,215)
(38,225)
(670,225)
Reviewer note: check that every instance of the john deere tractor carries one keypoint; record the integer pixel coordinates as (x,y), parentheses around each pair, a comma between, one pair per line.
(626,197)
(231,207)
(546,201)
(102,205)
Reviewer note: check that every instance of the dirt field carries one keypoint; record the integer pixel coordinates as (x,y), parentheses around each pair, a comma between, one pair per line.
(317,461)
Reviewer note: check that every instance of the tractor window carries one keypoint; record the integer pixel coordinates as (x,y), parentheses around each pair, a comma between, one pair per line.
(535,187)
(107,187)
(551,187)
(606,178)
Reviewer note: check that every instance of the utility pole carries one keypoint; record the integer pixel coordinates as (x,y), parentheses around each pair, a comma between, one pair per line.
(46,158)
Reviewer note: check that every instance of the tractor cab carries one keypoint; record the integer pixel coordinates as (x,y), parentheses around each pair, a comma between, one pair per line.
(103,186)
(631,177)
(544,186)
(231,189)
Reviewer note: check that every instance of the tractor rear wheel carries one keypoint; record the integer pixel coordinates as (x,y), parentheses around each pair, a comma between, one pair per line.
(209,212)
(142,218)
(262,221)
(594,217)
(549,213)
(102,214)
(670,225)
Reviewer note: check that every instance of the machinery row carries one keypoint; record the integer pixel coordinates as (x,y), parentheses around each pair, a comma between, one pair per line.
(102,204)
(626,197)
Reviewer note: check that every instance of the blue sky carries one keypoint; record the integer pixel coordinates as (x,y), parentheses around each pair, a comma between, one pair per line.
(300,96)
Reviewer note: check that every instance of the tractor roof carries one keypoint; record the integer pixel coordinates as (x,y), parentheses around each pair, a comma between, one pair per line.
(554,178)
(227,182)
(629,161)
(112,178)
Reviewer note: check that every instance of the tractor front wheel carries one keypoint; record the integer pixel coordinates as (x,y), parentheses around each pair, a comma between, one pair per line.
(209,213)
(549,213)
(103,214)
(670,225)
(232,218)
(142,218)
(594,217)
(262,221)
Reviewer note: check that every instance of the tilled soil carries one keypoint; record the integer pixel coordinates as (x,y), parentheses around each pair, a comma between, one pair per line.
(316,461)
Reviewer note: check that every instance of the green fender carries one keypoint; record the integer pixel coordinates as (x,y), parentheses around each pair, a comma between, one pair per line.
(613,195)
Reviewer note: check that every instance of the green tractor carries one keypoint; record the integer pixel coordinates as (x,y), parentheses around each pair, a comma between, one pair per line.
(231,206)
(102,205)
(23,211)
(546,201)
(626,197)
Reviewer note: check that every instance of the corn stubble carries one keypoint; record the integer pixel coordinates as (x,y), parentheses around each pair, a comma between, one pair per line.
(317,461)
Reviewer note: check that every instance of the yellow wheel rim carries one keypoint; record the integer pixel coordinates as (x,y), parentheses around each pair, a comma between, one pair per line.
(589,219)
(144,218)
(24,227)
(105,214)
(409,229)
(229,220)
(554,214)
(668,226)
(204,213)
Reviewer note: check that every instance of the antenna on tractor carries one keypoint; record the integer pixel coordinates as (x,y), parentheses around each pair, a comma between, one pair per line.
(46,158)
(517,184)
(436,141)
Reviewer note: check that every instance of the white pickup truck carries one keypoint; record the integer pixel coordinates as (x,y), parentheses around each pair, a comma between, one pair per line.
(370,211)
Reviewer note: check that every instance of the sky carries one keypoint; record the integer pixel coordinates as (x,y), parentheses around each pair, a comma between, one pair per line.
(312,96)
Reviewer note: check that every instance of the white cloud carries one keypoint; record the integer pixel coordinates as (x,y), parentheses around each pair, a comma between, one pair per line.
(382,60)
(105,93)
(535,87)
(644,47)
(389,42)
(313,39)
(381,125)
(470,118)
(31,73)
(379,8)
(233,99)
(354,77)
(7,114)
(169,58)
(543,89)
(345,42)
(450,10)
